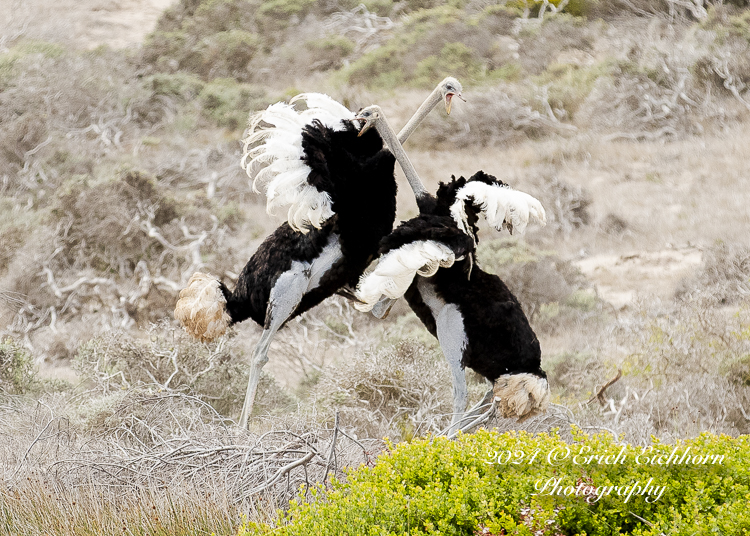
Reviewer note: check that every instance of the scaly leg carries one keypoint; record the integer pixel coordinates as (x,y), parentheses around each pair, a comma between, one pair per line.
(285,296)
(453,341)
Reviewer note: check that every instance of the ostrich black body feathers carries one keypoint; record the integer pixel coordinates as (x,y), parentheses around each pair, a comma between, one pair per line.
(499,337)
(479,322)
(357,173)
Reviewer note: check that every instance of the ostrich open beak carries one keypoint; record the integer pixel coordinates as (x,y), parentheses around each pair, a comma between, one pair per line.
(448,99)
(366,125)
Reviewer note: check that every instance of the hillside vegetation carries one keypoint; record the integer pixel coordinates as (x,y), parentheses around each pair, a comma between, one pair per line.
(120,177)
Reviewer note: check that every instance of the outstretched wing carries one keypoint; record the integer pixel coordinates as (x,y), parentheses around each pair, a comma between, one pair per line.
(274,157)
(502,206)
(420,246)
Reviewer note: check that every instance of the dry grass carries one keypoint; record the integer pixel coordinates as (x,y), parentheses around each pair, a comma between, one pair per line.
(158,464)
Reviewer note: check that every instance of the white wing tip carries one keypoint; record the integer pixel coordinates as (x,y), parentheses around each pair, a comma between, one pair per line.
(397,268)
(501,205)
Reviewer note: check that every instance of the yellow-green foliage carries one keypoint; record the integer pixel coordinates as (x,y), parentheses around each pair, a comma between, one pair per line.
(497,482)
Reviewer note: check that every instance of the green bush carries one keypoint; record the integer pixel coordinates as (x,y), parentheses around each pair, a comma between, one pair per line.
(281,10)
(433,43)
(228,102)
(593,485)
(455,59)
(17,373)
(330,51)
(185,86)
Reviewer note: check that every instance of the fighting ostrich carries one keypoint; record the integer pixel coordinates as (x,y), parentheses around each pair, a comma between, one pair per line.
(430,261)
(341,189)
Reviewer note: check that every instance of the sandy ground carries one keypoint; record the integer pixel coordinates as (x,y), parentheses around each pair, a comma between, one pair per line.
(621,278)
(81,23)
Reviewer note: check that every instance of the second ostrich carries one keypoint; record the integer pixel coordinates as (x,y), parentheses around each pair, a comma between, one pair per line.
(430,261)
(341,190)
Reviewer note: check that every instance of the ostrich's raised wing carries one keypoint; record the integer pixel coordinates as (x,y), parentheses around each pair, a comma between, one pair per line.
(274,158)
(502,206)
(420,246)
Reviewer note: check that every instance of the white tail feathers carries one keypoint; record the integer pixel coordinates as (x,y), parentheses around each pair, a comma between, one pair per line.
(396,270)
(521,396)
(272,157)
(502,206)
(202,309)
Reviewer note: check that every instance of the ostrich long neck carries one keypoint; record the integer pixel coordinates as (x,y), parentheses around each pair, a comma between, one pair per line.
(426,107)
(394,144)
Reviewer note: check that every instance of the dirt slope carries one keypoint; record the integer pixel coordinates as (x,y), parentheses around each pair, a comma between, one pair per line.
(81,23)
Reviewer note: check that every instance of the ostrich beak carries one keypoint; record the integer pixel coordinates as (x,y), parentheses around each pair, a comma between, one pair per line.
(365,126)
(448,101)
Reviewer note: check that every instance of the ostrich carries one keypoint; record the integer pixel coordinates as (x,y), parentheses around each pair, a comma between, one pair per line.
(341,189)
(429,260)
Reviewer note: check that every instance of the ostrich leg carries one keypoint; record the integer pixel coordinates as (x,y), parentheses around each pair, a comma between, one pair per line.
(452,338)
(286,295)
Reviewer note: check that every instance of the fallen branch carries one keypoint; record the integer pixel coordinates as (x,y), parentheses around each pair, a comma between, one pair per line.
(600,393)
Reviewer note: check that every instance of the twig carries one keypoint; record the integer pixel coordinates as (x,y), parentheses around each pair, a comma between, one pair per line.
(281,472)
(600,393)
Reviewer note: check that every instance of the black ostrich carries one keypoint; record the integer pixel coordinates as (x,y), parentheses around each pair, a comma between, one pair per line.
(340,185)
(477,320)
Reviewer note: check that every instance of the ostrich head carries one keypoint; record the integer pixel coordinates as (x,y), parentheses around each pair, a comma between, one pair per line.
(373,116)
(449,88)
(369,117)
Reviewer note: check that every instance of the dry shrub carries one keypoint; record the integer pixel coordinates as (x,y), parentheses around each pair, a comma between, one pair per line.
(536,277)
(639,105)
(671,86)
(572,375)
(541,45)
(170,361)
(98,226)
(76,101)
(158,462)
(401,391)
(247,39)
(724,277)
(566,205)
(493,117)
(685,372)
(117,255)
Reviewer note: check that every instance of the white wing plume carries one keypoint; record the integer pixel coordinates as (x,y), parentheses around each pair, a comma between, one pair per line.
(501,205)
(272,157)
(397,268)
